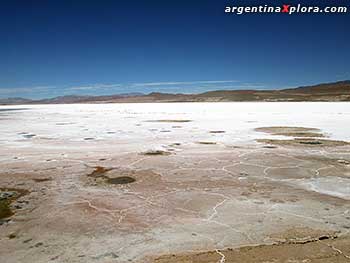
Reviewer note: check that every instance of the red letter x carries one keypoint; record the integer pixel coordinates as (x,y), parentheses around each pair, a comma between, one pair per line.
(285,9)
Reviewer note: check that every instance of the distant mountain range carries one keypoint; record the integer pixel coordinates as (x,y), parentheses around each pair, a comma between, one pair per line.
(336,91)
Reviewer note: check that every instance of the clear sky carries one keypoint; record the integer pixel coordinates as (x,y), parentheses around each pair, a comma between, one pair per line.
(52,48)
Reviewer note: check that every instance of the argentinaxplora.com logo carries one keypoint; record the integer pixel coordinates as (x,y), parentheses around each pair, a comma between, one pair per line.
(285,9)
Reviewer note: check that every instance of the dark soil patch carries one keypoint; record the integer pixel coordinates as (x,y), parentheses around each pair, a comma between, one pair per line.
(39,244)
(344,162)
(28,136)
(27,240)
(64,123)
(12,236)
(5,210)
(19,192)
(169,120)
(18,109)
(100,172)
(39,180)
(156,153)
(216,131)
(302,134)
(5,202)
(269,147)
(305,142)
(121,180)
(291,131)
(311,142)
(207,143)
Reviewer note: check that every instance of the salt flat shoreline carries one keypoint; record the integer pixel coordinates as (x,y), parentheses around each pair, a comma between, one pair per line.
(170,182)
(166,102)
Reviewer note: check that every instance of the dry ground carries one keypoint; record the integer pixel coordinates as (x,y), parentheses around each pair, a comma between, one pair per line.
(189,202)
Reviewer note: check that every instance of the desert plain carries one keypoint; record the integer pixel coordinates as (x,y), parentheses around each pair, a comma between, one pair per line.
(175,182)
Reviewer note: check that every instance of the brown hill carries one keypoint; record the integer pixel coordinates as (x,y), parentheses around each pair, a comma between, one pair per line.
(340,87)
(337,91)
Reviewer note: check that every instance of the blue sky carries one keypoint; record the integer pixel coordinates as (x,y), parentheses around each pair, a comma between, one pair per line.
(54,48)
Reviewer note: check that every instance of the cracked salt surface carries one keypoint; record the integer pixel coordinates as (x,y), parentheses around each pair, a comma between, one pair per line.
(333,186)
(230,194)
(102,118)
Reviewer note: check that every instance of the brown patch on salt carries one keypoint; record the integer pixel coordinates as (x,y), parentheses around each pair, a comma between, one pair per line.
(5,202)
(305,142)
(99,172)
(291,131)
(216,131)
(344,162)
(118,176)
(207,143)
(269,147)
(168,120)
(295,245)
(39,180)
(64,123)
(302,235)
(156,153)
(29,136)
(121,180)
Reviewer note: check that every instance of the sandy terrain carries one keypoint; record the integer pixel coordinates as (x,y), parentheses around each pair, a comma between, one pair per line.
(179,182)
